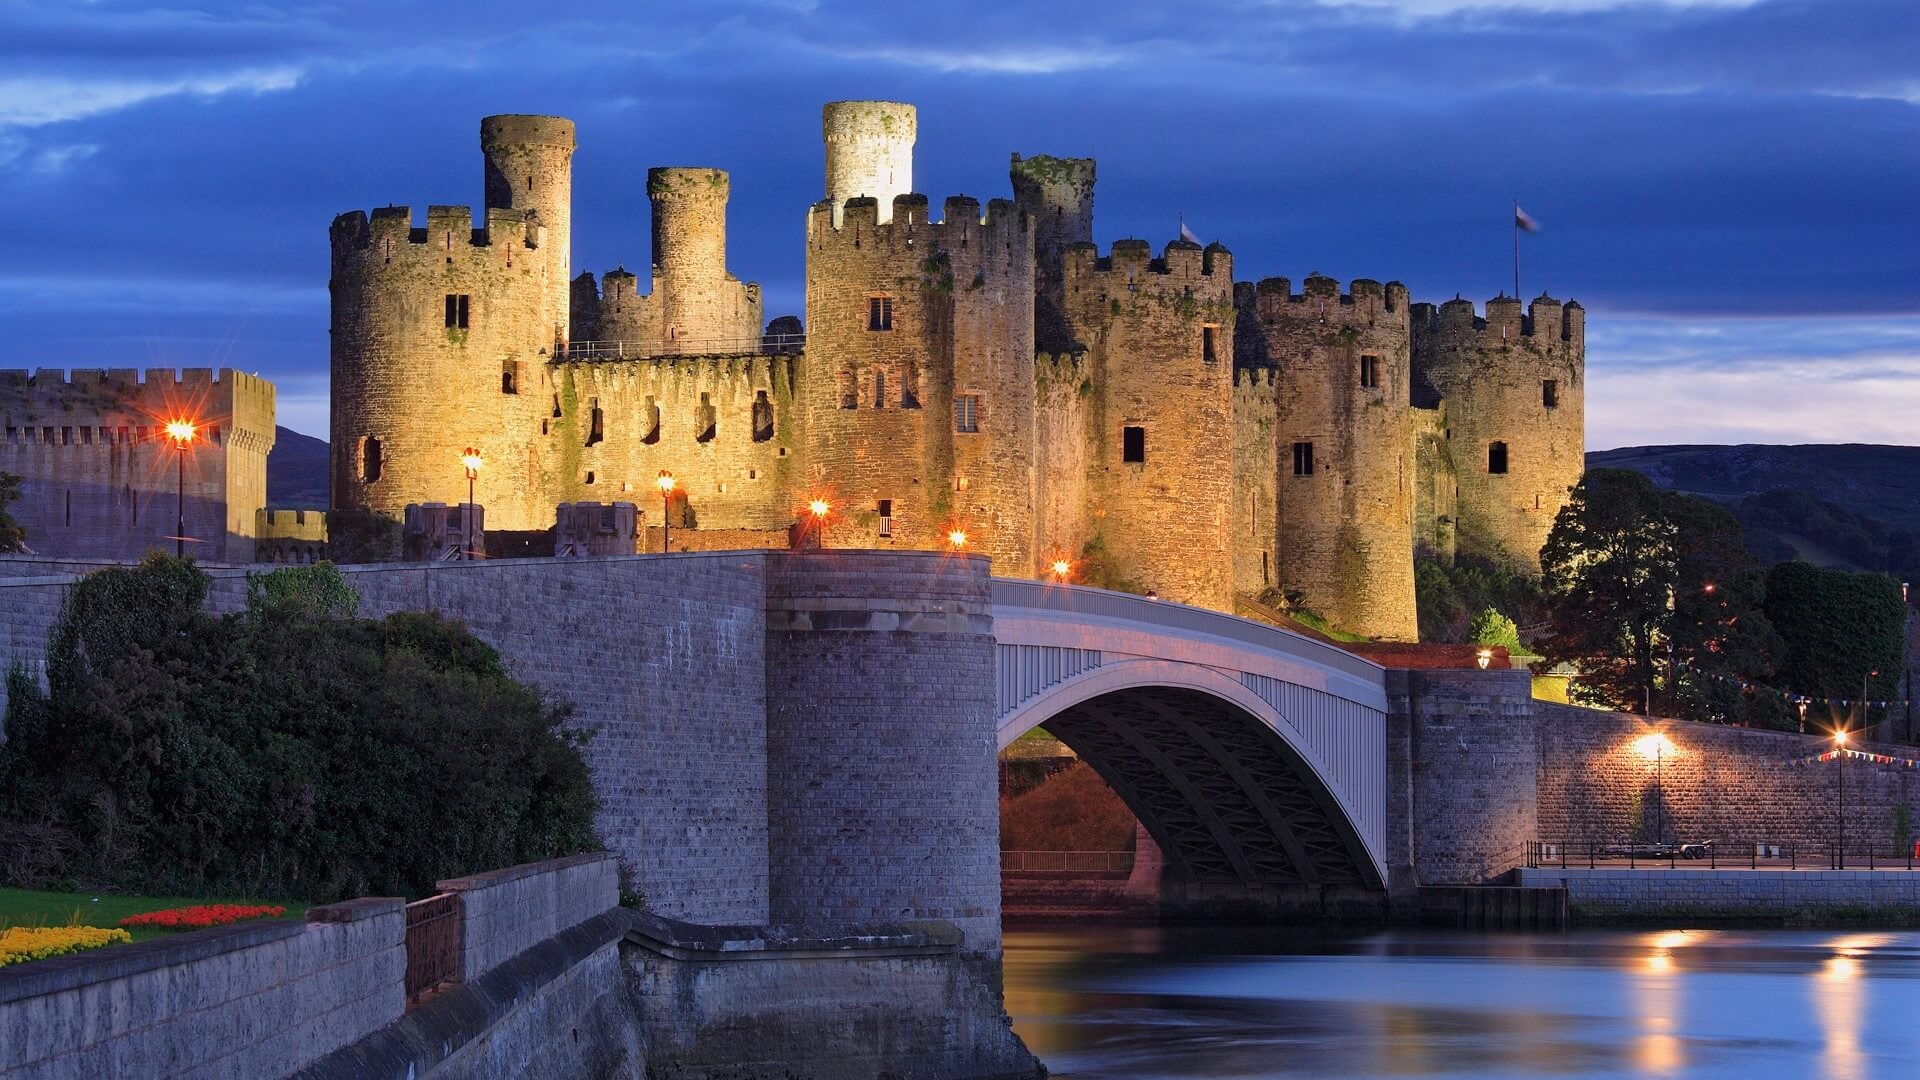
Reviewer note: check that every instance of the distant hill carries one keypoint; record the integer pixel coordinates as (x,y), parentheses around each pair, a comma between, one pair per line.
(1877,482)
(296,472)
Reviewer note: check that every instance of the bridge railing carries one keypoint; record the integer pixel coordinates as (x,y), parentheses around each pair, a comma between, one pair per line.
(1102,603)
(1066,862)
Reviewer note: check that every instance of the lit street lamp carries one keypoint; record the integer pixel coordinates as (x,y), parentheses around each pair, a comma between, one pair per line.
(1655,746)
(818,508)
(1061,569)
(471,459)
(666,507)
(181,432)
(957,539)
(1840,816)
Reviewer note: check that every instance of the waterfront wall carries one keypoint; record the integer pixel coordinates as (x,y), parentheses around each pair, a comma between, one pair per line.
(1663,892)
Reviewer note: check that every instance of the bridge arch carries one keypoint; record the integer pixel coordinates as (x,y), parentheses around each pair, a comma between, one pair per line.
(1255,758)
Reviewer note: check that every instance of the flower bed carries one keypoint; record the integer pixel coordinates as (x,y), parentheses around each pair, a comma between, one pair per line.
(20,944)
(201,916)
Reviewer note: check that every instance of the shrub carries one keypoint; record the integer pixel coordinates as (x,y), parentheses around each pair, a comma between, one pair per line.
(1072,810)
(1492,628)
(20,944)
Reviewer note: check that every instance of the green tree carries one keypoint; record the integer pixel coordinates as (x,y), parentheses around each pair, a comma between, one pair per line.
(1492,628)
(287,750)
(1643,584)
(1837,626)
(12,536)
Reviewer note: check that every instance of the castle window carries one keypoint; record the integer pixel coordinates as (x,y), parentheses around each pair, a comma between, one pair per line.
(1303,459)
(910,388)
(966,412)
(510,377)
(86,436)
(213,434)
(590,477)
(886,517)
(762,417)
(370,459)
(1550,393)
(650,416)
(707,421)
(879,312)
(1207,353)
(849,397)
(1497,458)
(596,423)
(1370,372)
(1133,445)
(879,389)
(457,311)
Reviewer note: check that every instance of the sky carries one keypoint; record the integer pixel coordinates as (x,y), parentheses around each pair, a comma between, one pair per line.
(1731,187)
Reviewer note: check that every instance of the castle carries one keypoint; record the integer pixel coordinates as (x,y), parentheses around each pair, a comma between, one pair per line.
(989,372)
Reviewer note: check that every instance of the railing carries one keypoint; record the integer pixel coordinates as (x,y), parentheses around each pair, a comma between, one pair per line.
(1066,862)
(1714,855)
(641,350)
(433,944)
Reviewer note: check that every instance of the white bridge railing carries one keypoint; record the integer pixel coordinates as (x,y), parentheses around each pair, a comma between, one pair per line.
(643,350)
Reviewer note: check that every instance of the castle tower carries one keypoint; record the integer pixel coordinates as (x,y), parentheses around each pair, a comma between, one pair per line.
(869,152)
(1057,193)
(530,167)
(920,387)
(1159,338)
(1513,389)
(697,298)
(1343,493)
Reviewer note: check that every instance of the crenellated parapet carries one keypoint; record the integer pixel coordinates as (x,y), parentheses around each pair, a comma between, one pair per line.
(1544,320)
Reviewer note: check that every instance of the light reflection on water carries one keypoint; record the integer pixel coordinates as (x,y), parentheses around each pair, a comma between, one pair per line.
(1097,1002)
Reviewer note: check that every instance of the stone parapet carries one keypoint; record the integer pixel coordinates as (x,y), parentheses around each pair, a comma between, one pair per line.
(505,912)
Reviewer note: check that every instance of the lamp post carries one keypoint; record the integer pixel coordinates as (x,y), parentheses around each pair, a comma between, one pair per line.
(1863,698)
(957,539)
(818,508)
(471,459)
(1483,658)
(1061,569)
(666,509)
(181,432)
(1840,815)
(1655,747)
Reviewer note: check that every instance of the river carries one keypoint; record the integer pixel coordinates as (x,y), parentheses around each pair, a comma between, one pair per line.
(1144,1002)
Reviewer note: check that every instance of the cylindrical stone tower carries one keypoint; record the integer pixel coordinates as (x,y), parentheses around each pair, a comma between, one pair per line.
(1344,494)
(696,297)
(1057,193)
(530,167)
(1513,387)
(869,152)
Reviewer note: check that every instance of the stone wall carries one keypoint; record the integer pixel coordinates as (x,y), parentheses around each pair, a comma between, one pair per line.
(1464,811)
(506,912)
(100,478)
(1255,537)
(1737,892)
(252,999)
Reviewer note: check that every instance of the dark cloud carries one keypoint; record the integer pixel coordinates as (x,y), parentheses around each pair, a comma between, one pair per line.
(172,171)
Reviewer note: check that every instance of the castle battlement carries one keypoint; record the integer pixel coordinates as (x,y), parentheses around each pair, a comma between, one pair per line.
(1259,380)
(732,376)
(156,392)
(1545,317)
(389,231)
(1179,261)
(1061,367)
(961,221)
(1321,298)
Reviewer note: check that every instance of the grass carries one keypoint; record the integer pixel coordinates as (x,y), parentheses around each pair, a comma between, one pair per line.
(28,907)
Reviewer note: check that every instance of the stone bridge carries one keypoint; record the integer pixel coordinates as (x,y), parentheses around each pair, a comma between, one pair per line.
(1254,757)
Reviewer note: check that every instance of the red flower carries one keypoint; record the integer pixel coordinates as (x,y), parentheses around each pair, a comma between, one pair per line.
(201,916)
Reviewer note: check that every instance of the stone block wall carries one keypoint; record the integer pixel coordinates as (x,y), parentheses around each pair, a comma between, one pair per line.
(1465,810)
(506,912)
(1748,892)
(252,999)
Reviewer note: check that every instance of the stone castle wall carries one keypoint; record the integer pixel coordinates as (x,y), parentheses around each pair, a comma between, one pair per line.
(1492,374)
(1146,323)
(100,477)
(1345,473)
(1063,401)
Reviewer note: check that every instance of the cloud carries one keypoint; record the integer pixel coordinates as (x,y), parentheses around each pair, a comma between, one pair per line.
(35,100)
(1434,8)
(1041,61)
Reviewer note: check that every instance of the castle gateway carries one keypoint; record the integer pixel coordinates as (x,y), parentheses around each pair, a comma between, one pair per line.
(1140,416)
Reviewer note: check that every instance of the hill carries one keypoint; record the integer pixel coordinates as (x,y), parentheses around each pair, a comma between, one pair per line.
(296,472)
(1877,482)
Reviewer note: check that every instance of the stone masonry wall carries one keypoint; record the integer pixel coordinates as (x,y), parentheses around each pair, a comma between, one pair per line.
(1255,473)
(252,999)
(99,475)
(880,743)
(1467,811)
(506,912)
(1671,892)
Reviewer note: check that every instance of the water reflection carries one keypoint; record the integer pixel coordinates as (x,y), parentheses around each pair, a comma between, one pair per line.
(1099,1002)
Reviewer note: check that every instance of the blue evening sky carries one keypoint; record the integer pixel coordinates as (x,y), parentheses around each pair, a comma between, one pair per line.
(1731,187)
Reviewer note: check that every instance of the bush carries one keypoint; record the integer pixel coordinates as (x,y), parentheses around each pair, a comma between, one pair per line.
(1072,810)
(285,750)
(1492,628)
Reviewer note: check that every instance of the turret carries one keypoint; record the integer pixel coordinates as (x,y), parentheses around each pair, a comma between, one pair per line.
(869,152)
(697,299)
(1057,193)
(530,167)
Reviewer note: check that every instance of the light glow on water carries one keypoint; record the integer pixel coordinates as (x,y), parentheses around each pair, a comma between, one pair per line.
(1098,1002)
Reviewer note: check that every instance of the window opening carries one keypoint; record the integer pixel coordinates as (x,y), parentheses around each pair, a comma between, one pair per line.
(510,378)
(1497,458)
(596,423)
(966,412)
(879,312)
(879,389)
(1303,459)
(370,459)
(650,417)
(1207,354)
(1133,445)
(1370,372)
(1550,393)
(457,311)
(707,422)
(886,517)
(762,417)
(849,398)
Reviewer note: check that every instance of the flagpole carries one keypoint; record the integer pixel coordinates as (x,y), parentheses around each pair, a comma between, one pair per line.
(1516,249)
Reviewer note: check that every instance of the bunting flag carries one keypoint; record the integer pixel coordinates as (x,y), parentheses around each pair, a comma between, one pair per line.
(1859,755)
(1798,699)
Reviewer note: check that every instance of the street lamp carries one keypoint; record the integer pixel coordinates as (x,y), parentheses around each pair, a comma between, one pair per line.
(666,507)
(470,457)
(1484,658)
(957,539)
(181,432)
(1655,746)
(1863,697)
(1061,569)
(1840,815)
(818,508)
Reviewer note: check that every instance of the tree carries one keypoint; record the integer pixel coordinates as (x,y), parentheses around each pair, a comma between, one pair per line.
(288,750)
(12,536)
(1492,628)
(1644,584)
(1837,626)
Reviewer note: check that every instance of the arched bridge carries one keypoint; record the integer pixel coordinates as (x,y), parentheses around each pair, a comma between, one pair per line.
(1255,757)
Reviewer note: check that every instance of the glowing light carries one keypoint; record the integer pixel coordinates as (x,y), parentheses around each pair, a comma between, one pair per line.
(958,538)
(1710,587)
(471,459)
(180,431)
(1484,657)
(1840,737)
(666,482)
(818,508)
(1653,746)
(1061,568)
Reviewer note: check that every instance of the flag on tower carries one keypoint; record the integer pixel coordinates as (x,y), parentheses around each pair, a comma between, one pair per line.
(1523,220)
(1186,233)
